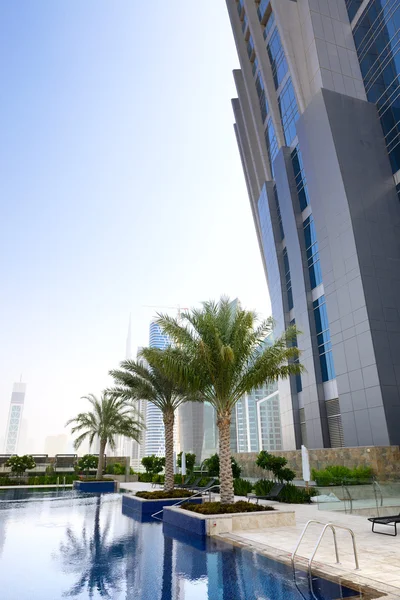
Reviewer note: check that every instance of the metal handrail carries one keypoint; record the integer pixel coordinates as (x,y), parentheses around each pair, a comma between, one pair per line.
(200,493)
(303,534)
(345,488)
(333,528)
(376,486)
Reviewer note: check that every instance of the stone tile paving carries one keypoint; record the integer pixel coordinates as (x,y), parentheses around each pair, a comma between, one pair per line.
(379,555)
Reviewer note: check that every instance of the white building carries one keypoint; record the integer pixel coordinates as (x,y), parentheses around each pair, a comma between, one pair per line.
(15,418)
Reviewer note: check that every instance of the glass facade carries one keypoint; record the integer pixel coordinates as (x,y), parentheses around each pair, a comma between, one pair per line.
(277,58)
(278,212)
(272,143)
(352,7)
(314,266)
(269,26)
(288,279)
(261,97)
(270,423)
(323,339)
(299,385)
(289,111)
(301,183)
(377,40)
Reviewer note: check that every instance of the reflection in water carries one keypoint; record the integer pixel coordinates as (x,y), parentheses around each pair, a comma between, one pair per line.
(96,558)
(85,548)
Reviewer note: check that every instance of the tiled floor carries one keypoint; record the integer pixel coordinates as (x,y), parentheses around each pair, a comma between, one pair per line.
(379,555)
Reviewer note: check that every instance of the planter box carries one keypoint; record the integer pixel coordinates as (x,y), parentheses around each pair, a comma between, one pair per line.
(210,525)
(99,487)
(149,507)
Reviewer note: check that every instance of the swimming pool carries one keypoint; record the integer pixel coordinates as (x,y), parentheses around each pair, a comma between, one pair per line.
(62,544)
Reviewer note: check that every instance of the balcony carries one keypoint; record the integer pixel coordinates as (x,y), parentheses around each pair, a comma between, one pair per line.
(263,11)
(250,49)
(245,28)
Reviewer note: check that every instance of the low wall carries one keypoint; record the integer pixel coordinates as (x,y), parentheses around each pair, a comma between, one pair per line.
(384,460)
(210,525)
(149,507)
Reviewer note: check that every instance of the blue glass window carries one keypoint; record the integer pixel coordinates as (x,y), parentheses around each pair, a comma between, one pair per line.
(288,279)
(352,7)
(299,384)
(314,266)
(261,97)
(250,48)
(377,40)
(289,111)
(268,27)
(300,178)
(262,8)
(272,143)
(323,339)
(277,58)
(278,212)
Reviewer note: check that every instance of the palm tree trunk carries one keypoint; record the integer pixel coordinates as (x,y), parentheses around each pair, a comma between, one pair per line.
(169,419)
(225,464)
(99,473)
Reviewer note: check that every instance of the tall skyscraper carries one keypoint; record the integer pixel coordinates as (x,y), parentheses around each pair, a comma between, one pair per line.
(15,418)
(317,125)
(155,440)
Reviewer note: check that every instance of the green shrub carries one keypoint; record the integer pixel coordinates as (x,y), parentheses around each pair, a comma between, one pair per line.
(216,508)
(291,494)
(190,461)
(158,478)
(88,462)
(338,474)
(242,487)
(153,464)
(213,466)
(275,465)
(262,487)
(19,464)
(145,477)
(160,495)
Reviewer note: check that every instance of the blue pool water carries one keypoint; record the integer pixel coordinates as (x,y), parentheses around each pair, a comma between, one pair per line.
(58,544)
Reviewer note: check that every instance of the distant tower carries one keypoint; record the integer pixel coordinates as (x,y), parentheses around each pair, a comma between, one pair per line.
(15,418)
(155,442)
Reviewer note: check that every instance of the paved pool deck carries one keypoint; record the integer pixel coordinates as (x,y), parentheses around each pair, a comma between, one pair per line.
(379,555)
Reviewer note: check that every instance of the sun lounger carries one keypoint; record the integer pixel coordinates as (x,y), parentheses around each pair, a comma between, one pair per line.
(273,495)
(391,521)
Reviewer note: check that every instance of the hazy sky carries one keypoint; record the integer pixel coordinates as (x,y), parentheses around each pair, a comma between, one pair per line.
(120,184)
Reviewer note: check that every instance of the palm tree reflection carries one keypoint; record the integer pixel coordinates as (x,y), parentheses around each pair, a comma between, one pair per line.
(98,561)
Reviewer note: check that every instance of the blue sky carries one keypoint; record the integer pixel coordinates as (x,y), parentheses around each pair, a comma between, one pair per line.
(120,186)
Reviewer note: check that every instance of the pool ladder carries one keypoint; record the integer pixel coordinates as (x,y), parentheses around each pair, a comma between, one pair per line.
(333,528)
(200,493)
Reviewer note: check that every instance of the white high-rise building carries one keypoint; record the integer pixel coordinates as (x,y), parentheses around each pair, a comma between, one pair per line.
(15,418)
(155,439)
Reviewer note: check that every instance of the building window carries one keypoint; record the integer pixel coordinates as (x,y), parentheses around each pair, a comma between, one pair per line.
(376,38)
(278,212)
(323,339)
(289,111)
(313,263)
(261,97)
(269,25)
(288,279)
(303,427)
(352,7)
(299,384)
(335,426)
(272,143)
(277,58)
(300,178)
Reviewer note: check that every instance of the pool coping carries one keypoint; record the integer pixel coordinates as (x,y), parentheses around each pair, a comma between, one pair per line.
(374,590)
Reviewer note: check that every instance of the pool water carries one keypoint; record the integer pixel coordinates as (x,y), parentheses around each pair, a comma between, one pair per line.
(62,544)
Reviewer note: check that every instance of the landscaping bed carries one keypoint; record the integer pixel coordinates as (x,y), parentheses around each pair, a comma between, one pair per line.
(217,508)
(161,495)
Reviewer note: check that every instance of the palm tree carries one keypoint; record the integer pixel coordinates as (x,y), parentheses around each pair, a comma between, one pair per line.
(223,355)
(144,380)
(109,417)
